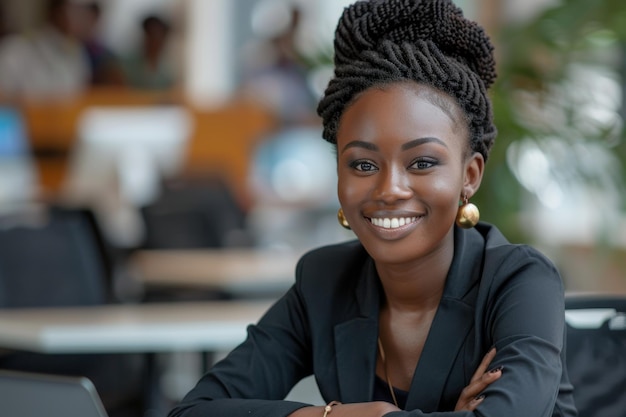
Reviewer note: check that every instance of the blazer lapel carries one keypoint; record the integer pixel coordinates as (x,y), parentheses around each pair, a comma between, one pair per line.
(449,329)
(356,366)
(356,341)
(453,321)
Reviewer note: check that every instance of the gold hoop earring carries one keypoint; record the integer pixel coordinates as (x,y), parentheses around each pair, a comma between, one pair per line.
(468,214)
(342,219)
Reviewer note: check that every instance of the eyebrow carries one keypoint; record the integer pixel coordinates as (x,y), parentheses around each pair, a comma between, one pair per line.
(409,145)
(420,141)
(360,144)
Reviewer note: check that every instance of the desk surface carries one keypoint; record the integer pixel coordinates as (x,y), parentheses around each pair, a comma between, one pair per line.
(224,269)
(205,326)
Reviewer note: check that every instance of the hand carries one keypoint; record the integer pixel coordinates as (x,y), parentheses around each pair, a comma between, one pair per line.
(470,396)
(370,409)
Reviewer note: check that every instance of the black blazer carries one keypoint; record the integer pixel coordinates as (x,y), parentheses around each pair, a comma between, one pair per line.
(496,293)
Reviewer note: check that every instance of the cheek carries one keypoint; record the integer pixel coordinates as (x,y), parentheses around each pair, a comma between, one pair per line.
(348,190)
(444,190)
(444,186)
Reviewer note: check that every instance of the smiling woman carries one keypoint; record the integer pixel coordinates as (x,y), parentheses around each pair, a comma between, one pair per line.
(429,312)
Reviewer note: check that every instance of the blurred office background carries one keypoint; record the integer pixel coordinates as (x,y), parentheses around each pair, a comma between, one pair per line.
(183,124)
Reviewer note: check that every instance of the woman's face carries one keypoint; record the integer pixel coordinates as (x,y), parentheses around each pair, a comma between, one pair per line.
(403,165)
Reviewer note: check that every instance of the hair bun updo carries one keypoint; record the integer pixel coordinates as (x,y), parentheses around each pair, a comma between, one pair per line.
(427,41)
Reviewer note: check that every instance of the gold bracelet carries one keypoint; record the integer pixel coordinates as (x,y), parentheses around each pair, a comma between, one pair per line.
(329,407)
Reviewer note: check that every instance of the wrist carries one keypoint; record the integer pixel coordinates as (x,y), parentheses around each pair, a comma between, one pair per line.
(309,411)
(329,407)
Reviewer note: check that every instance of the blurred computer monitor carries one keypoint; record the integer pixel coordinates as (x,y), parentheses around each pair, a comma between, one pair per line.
(132,148)
(13,141)
(18,176)
(119,160)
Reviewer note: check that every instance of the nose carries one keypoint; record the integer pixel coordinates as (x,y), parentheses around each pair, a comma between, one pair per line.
(392,185)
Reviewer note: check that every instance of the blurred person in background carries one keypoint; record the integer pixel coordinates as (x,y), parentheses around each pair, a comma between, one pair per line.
(48,62)
(104,66)
(275,75)
(4,27)
(150,66)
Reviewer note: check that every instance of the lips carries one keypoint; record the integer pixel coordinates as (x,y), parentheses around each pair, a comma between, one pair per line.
(392,222)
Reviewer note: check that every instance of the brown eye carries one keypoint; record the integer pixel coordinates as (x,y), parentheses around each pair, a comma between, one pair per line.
(364,166)
(423,163)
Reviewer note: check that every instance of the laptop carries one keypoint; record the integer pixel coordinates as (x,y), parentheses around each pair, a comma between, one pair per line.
(35,395)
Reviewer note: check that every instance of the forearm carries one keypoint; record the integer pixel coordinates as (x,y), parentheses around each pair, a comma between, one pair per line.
(369,409)
(234,407)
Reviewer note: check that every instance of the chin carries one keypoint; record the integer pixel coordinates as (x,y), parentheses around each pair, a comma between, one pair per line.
(408,249)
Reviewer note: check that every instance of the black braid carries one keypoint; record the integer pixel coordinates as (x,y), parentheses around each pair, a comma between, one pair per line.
(427,41)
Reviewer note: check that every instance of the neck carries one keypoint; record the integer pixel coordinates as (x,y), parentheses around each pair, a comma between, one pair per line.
(417,285)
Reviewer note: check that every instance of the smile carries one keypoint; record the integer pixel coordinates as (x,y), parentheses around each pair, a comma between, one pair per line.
(392,222)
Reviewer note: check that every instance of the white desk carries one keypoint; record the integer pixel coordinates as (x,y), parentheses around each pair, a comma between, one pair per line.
(206,326)
(233,270)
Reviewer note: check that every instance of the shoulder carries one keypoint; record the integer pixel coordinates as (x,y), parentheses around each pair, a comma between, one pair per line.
(504,261)
(503,254)
(332,258)
(332,266)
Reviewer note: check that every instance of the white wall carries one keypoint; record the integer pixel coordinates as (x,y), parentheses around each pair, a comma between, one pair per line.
(210,56)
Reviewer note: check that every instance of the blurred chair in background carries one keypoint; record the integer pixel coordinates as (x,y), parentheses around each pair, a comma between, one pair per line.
(53,257)
(596,353)
(194,213)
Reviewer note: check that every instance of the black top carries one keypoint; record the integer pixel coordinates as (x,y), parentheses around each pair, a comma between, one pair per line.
(382,393)
(496,293)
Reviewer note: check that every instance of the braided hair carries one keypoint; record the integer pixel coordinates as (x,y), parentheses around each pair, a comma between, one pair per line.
(379,42)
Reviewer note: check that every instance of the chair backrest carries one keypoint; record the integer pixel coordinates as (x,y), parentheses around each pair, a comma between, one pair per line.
(191,214)
(596,353)
(54,261)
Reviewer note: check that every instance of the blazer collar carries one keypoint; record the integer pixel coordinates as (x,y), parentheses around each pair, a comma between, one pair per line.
(356,339)
(452,323)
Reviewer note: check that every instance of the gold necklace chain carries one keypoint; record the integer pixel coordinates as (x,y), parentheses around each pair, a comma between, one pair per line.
(382,357)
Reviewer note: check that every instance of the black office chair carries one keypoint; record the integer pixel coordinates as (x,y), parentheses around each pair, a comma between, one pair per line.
(596,353)
(56,259)
(193,213)
(51,259)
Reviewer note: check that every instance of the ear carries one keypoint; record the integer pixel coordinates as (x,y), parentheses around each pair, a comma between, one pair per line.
(473,174)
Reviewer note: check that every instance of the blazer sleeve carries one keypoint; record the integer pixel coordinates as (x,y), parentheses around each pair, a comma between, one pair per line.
(255,377)
(520,310)
(525,318)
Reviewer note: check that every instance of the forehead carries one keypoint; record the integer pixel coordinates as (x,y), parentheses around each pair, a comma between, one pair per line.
(403,110)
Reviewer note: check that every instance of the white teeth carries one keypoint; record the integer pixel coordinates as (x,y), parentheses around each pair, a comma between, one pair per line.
(392,223)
